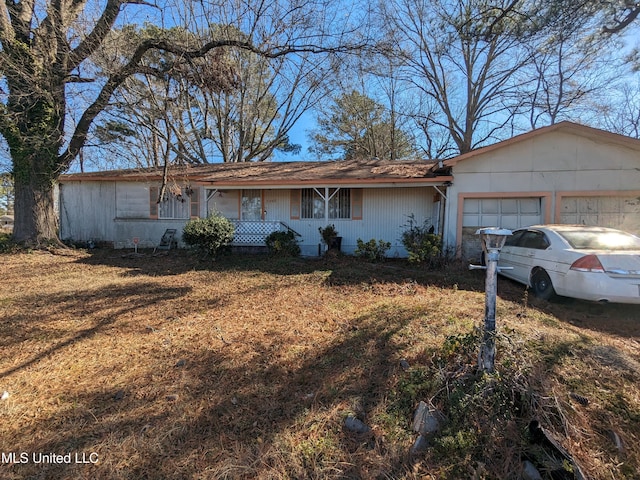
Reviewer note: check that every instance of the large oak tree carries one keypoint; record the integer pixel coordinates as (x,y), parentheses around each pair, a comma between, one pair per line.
(46,49)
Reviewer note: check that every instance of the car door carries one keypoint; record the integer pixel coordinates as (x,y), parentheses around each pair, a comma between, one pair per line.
(523,253)
(508,254)
(530,252)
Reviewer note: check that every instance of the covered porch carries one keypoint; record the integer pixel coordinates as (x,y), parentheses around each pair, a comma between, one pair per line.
(356,211)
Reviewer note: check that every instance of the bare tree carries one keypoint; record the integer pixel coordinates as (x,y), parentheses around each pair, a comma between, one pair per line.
(566,73)
(388,80)
(461,58)
(252,121)
(621,112)
(192,121)
(46,49)
(147,119)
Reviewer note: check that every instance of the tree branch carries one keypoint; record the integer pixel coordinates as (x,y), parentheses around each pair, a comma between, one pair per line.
(134,66)
(102,100)
(15,20)
(631,16)
(101,29)
(273,52)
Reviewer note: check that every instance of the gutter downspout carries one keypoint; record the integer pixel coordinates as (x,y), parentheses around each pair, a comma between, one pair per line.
(441,213)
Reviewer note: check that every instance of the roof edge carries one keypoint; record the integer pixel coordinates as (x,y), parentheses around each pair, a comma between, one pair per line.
(576,128)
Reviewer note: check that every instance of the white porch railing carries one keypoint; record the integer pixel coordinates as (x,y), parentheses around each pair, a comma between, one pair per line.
(255,232)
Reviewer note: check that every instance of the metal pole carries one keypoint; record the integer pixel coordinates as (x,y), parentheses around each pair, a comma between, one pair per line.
(493,239)
(487,355)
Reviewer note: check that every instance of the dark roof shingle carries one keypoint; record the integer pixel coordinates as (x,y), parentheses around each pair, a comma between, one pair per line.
(274,173)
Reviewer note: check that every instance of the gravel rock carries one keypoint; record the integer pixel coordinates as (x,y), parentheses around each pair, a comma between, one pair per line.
(356,425)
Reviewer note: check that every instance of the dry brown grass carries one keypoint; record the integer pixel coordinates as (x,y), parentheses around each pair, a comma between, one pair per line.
(172,367)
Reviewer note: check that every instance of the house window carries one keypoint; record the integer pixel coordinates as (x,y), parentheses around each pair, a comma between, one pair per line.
(312,203)
(339,203)
(319,203)
(174,204)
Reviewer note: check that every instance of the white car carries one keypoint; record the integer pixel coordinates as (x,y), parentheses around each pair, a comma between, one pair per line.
(590,263)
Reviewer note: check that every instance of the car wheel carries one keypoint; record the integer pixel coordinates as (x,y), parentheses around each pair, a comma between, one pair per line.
(541,285)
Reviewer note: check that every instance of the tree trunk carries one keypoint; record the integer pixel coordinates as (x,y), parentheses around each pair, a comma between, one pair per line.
(35,171)
(34,134)
(35,221)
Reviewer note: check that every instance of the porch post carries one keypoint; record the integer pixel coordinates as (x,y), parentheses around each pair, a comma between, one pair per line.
(326,207)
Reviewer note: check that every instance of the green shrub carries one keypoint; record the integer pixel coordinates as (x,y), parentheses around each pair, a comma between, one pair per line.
(283,243)
(211,234)
(421,243)
(372,250)
(6,243)
(328,233)
(412,387)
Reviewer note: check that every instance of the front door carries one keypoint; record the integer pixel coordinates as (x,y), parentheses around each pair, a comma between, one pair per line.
(251,205)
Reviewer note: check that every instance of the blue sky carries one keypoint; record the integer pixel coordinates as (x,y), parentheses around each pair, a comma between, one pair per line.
(160,15)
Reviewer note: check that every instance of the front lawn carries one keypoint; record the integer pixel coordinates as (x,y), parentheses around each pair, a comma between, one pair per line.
(121,366)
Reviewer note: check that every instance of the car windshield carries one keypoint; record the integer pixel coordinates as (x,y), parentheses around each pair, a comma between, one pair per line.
(600,240)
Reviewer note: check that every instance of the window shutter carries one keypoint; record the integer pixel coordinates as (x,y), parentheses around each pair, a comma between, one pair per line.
(153,202)
(195,202)
(356,204)
(295,200)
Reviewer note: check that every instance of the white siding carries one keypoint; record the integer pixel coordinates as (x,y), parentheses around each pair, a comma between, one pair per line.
(553,162)
(134,217)
(148,231)
(87,211)
(385,212)
(110,212)
(119,211)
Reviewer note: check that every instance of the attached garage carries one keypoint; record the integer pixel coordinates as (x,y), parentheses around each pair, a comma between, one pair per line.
(608,209)
(508,213)
(564,173)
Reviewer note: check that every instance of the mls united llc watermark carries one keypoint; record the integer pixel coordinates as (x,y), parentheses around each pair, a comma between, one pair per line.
(48,458)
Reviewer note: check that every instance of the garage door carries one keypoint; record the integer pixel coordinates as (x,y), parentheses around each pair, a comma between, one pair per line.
(508,213)
(616,212)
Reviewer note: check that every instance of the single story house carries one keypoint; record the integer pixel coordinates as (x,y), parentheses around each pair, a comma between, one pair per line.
(362,198)
(564,173)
